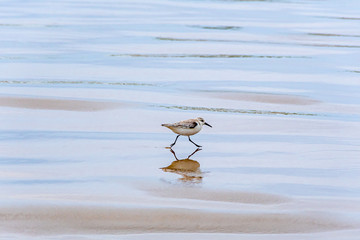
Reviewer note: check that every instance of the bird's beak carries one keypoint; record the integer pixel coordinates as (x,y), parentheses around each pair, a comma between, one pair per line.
(208,124)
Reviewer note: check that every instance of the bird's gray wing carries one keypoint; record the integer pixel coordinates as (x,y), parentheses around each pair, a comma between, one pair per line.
(186,124)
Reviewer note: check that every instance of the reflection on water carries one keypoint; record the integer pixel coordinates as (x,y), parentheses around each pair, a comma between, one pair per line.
(187,168)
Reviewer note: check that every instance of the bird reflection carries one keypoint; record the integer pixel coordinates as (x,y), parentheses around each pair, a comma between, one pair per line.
(188,169)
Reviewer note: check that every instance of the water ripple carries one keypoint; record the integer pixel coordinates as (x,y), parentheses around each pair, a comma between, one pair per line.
(242,111)
(74,82)
(204,56)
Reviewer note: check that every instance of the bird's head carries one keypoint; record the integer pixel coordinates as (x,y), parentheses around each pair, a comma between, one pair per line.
(202,122)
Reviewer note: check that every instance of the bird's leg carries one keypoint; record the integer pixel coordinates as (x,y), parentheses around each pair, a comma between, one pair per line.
(172,151)
(198,149)
(175,141)
(193,142)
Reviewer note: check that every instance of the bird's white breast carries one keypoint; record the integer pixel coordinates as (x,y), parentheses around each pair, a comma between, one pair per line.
(186,131)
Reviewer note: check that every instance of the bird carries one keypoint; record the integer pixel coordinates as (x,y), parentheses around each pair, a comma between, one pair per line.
(186,128)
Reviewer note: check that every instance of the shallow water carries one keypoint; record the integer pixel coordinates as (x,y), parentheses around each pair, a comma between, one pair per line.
(85,87)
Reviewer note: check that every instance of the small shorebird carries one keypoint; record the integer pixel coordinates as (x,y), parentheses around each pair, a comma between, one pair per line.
(186,128)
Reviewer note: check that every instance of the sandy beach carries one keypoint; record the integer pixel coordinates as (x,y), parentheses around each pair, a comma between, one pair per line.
(54,220)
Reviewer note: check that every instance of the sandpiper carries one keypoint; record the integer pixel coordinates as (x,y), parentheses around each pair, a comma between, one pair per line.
(186,128)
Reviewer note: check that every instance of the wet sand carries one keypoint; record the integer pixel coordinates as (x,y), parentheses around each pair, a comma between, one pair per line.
(53,220)
(107,186)
(217,195)
(57,104)
(264,98)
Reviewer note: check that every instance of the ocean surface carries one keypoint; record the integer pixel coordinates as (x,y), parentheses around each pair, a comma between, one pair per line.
(86,85)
